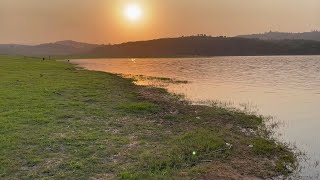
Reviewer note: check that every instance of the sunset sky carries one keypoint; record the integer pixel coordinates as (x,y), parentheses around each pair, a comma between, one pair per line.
(107,21)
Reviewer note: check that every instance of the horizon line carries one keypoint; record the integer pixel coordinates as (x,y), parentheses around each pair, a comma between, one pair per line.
(208,35)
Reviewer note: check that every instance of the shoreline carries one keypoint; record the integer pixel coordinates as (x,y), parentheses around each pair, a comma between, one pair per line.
(110,128)
(266,131)
(172,57)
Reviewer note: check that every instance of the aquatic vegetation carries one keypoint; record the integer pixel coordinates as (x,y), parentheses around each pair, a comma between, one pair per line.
(155,81)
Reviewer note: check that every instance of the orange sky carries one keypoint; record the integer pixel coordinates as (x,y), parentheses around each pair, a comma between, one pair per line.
(102,21)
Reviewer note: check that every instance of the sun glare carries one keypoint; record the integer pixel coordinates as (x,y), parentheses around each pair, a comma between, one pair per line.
(133,12)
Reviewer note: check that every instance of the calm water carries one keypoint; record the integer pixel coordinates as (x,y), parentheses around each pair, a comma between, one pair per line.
(287,88)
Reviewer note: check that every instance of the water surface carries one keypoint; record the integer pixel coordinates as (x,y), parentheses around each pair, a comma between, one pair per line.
(286,87)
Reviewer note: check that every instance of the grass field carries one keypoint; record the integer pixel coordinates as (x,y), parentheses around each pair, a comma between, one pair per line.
(59,122)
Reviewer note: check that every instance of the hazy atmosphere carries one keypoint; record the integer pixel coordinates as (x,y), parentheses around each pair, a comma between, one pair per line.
(160,89)
(104,21)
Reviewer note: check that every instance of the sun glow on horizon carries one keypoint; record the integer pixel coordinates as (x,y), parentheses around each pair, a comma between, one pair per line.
(133,12)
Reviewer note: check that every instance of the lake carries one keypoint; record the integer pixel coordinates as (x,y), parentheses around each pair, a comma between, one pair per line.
(285,87)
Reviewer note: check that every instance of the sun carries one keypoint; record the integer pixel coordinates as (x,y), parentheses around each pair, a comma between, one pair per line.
(133,12)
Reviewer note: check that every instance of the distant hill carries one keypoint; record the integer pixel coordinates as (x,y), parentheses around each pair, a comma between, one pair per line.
(207,46)
(60,48)
(190,46)
(314,36)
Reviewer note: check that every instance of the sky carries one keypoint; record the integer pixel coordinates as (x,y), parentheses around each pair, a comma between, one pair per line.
(104,21)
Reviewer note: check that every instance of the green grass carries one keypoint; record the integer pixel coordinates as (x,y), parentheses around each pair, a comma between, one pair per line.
(268,148)
(57,122)
(54,120)
(183,151)
(139,107)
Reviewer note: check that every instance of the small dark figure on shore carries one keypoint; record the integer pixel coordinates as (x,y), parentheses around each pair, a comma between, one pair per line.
(43,59)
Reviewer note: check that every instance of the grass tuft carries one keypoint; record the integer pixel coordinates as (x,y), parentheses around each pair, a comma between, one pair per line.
(139,107)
